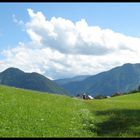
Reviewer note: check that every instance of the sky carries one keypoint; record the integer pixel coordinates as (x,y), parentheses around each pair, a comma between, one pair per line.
(61,40)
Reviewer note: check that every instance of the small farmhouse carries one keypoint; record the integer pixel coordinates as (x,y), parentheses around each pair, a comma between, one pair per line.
(89,97)
(84,96)
(108,97)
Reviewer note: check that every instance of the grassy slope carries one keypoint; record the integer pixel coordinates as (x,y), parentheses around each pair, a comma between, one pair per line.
(118,116)
(24,113)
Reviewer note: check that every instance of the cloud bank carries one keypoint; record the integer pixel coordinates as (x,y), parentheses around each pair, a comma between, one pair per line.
(61,48)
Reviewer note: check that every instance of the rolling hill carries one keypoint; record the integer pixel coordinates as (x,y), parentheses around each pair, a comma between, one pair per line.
(120,79)
(25,113)
(33,81)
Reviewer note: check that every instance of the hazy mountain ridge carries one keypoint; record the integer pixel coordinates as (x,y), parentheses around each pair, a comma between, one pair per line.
(73,79)
(120,79)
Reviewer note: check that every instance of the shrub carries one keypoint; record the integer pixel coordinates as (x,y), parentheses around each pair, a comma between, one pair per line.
(116,94)
(100,97)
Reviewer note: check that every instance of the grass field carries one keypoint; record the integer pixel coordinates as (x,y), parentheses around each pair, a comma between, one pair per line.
(25,113)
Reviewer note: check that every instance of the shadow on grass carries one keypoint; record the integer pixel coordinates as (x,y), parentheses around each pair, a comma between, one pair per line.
(118,123)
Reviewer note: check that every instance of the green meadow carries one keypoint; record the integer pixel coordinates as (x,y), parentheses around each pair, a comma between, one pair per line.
(26,113)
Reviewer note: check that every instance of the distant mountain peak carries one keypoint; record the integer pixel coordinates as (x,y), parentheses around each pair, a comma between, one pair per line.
(34,81)
(12,69)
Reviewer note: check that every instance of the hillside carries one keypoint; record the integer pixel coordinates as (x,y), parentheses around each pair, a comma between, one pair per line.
(120,79)
(34,81)
(25,113)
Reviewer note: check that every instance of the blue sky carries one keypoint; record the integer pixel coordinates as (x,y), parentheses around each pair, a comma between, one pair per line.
(121,18)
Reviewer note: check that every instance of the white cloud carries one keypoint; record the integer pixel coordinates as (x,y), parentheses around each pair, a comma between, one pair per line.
(61,48)
(76,38)
(19,22)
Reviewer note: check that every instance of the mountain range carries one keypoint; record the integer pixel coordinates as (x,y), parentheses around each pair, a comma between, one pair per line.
(33,81)
(120,79)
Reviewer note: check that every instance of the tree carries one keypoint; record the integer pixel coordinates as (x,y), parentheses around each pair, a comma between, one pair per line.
(139,88)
